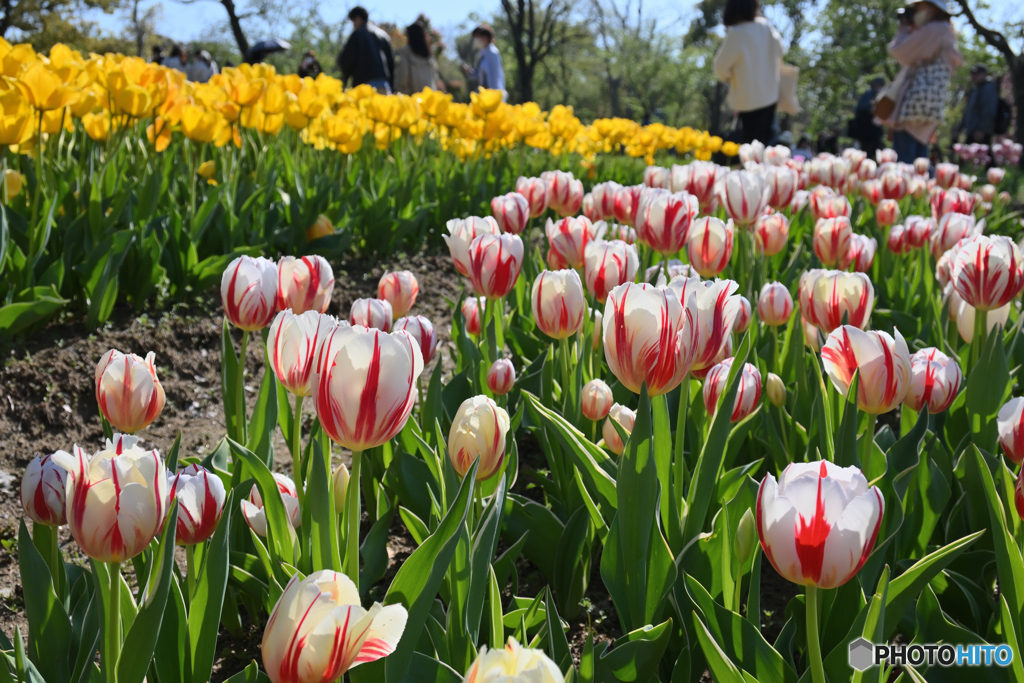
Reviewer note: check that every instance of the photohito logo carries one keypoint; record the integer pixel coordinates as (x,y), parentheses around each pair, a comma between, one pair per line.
(864,654)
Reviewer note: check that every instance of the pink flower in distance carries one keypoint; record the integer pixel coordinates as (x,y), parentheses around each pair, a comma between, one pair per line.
(783,183)
(946,175)
(627,201)
(887,213)
(953,200)
(919,230)
(656,176)
(896,240)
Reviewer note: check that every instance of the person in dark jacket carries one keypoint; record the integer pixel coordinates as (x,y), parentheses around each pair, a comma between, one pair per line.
(864,129)
(309,67)
(979,122)
(367,56)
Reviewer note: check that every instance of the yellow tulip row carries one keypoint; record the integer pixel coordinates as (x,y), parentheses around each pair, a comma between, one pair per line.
(43,93)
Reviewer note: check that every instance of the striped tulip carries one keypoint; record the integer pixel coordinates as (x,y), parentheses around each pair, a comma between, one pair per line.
(589,208)
(772,232)
(511,664)
(461,233)
(569,237)
(871,190)
(946,175)
(478,433)
(365,385)
(373,313)
(536,192)
(572,201)
(1010,422)
(201,497)
(745,195)
(867,170)
(565,193)
(774,304)
(319,630)
(743,316)
(663,219)
(718,307)
(894,185)
(709,245)
(782,183)
(860,253)
(919,230)
(422,331)
(922,165)
(116,500)
(897,240)
(934,381)
(555,261)
(400,289)
(701,180)
(952,228)
(626,418)
(304,284)
(887,213)
(812,337)
(627,201)
(953,200)
(472,310)
(752,152)
(748,393)
(252,507)
(44,490)
(501,377)
(777,155)
(830,206)
(964,315)
(818,523)
(248,292)
(988,272)
(886,155)
(604,198)
(837,297)
(883,364)
(608,265)
(128,392)
(650,336)
(511,212)
(292,345)
(558,303)
(995,175)
(833,172)
(656,176)
(596,400)
(494,264)
(832,239)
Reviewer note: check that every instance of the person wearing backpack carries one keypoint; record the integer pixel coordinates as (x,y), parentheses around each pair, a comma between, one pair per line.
(367,56)
(982,109)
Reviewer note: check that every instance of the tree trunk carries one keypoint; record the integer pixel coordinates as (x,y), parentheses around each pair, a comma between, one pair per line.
(525,83)
(236,27)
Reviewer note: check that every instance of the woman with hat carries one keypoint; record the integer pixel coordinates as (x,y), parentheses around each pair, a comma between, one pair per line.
(926,47)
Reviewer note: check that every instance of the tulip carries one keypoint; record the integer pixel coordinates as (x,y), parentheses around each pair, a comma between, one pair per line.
(774,304)
(834,173)
(501,377)
(626,418)
(988,272)
(919,230)
(860,253)
(478,433)
(569,238)
(782,183)
(775,388)
(867,170)
(201,497)
(322,227)
(596,400)
(44,486)
(422,331)
(745,195)
(13,182)
(777,155)
(304,284)
(1018,496)
(886,155)
(1010,422)
(837,297)
(608,265)
(829,206)
(887,213)
(462,232)
(536,192)
(248,292)
(772,232)
(894,185)
(373,313)
(871,190)
(832,239)
(995,175)
(964,315)
(812,339)
(128,392)
(627,202)
(897,240)
(117,499)
(718,306)
(400,289)
(752,152)
(511,212)
(988,193)
(934,381)
(565,193)
(946,175)
(604,198)
(558,303)
(256,516)
(650,336)
(292,345)
(494,264)
(748,393)
(513,663)
(702,182)
(952,228)
(922,165)
(663,220)
(341,479)
(953,200)
(709,245)
(590,209)
(318,630)
(883,364)
(656,176)
(743,316)
(555,261)
(471,310)
(818,523)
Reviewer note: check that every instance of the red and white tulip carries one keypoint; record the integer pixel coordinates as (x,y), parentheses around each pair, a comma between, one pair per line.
(44,490)
(511,212)
(709,245)
(462,232)
(478,433)
(934,381)
(248,292)
(256,516)
(596,399)
(832,239)
(128,392)
(400,289)
(774,304)
(883,364)
(608,265)
(501,377)
(748,392)
(626,418)
(201,497)
(304,284)
(494,264)
(422,331)
(988,272)
(292,346)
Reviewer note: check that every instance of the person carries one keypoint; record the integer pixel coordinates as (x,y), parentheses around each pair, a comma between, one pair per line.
(201,67)
(803,148)
(367,56)
(489,71)
(158,54)
(416,67)
(309,67)
(925,45)
(863,128)
(178,59)
(979,121)
(749,60)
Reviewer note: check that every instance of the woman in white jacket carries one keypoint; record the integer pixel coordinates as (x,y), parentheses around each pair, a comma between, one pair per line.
(749,60)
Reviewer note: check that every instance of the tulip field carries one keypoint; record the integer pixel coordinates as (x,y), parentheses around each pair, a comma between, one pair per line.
(492,395)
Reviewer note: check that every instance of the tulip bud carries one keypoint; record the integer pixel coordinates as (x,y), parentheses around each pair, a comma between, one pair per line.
(107,527)
(896,240)
(812,339)
(743,316)
(128,392)
(201,497)
(322,227)
(478,433)
(1010,422)
(887,213)
(1004,197)
(709,245)
(569,238)
(656,176)
(627,203)
(536,192)
(318,630)
(818,523)
(43,490)
(248,292)
(663,219)
(304,284)
(513,663)
(494,264)
(256,516)
(207,169)
(776,390)
(883,362)
(774,304)
(511,212)
(13,182)
(748,394)
(988,272)
(371,313)
(782,184)
(745,196)
(746,538)
(501,377)
(772,232)
(832,238)
(472,310)
(341,479)
(626,418)
(860,253)
(422,331)
(919,230)
(608,265)
(995,175)
(934,381)
(596,400)
(400,289)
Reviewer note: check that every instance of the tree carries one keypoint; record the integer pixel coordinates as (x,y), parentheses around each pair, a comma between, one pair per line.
(537,28)
(45,22)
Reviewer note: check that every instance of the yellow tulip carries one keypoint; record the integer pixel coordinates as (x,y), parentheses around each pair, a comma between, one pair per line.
(13,182)
(321,228)
(16,128)
(247,93)
(133,100)
(207,169)
(487,101)
(162,131)
(19,58)
(200,125)
(97,126)
(54,120)
(44,90)
(274,99)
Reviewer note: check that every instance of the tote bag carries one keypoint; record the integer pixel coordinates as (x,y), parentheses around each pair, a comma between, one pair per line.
(885,104)
(788,76)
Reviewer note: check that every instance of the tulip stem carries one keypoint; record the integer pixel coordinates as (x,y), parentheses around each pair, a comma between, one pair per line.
(980,336)
(190,571)
(297,437)
(868,446)
(813,642)
(352,518)
(240,390)
(112,652)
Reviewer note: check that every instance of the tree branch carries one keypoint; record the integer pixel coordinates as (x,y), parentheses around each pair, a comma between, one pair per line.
(993,38)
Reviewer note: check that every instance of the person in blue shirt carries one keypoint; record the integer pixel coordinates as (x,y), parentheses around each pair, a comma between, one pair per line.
(489,71)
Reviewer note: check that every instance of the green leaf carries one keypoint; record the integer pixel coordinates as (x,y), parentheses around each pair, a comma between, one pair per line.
(49,626)
(208,600)
(229,378)
(723,670)
(281,540)
(103,297)
(557,645)
(264,419)
(40,304)
(985,393)
(634,656)
(874,625)
(572,564)
(251,674)
(321,506)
